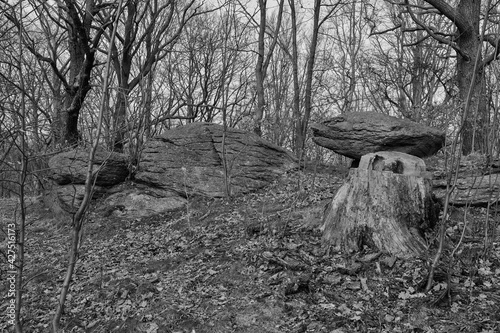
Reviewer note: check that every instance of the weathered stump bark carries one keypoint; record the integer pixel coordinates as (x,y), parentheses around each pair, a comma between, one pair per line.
(385,204)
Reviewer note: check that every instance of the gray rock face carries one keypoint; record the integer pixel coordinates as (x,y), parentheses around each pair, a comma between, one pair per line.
(71,196)
(133,201)
(190,160)
(65,199)
(69,171)
(71,167)
(359,133)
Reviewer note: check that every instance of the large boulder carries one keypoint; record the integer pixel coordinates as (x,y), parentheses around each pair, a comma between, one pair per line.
(71,167)
(190,160)
(359,133)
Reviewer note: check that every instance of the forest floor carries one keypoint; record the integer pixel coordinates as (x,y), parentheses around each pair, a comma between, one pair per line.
(252,264)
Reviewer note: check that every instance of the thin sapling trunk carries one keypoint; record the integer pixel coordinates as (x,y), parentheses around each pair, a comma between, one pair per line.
(79,217)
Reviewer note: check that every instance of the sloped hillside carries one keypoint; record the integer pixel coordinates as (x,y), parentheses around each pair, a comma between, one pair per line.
(254,263)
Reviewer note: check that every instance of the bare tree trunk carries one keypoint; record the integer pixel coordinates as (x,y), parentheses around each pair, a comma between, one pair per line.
(57,111)
(353,48)
(263,62)
(123,67)
(119,123)
(296,87)
(82,55)
(22,187)
(417,77)
(148,105)
(309,78)
(259,71)
(401,102)
(466,16)
(148,94)
(469,42)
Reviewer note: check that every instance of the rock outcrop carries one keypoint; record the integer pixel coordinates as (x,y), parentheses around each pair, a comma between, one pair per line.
(195,159)
(133,201)
(64,199)
(359,133)
(68,170)
(190,160)
(71,167)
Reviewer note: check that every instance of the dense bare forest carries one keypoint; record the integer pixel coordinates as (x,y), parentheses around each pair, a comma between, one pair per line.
(114,74)
(270,67)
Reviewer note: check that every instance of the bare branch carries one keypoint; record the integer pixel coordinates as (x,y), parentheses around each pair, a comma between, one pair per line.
(265,65)
(451,13)
(418,41)
(431,31)
(373,33)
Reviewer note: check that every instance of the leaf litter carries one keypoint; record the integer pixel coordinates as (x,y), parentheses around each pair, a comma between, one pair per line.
(254,263)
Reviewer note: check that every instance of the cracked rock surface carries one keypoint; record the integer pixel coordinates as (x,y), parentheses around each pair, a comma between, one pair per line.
(193,159)
(356,134)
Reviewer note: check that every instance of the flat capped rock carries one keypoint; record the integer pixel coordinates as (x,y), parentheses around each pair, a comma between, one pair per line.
(190,160)
(359,133)
(71,167)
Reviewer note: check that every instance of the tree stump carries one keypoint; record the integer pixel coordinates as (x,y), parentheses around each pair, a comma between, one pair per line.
(385,204)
